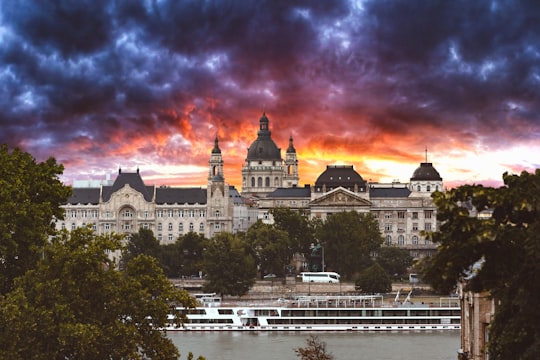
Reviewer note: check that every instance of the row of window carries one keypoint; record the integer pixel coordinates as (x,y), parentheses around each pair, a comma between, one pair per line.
(415,240)
(129,213)
(401,227)
(129,226)
(401,214)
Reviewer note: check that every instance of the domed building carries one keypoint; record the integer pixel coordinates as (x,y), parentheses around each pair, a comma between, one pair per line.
(264,169)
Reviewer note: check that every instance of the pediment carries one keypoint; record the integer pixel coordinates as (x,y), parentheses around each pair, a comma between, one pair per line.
(340,197)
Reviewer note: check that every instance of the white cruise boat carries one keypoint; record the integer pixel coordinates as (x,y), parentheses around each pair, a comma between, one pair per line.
(325,313)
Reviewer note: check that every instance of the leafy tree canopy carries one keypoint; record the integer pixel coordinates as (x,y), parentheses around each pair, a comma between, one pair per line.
(142,242)
(315,350)
(270,247)
(349,239)
(299,228)
(394,260)
(498,253)
(30,198)
(75,305)
(374,280)
(230,268)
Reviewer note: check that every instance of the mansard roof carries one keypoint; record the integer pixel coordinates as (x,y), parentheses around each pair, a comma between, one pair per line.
(389,192)
(170,195)
(235,195)
(426,171)
(340,176)
(134,180)
(295,192)
(84,196)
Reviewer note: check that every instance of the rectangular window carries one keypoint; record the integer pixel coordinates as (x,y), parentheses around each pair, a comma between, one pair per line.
(73,213)
(181,228)
(160,226)
(94,214)
(428,226)
(415,215)
(83,213)
(159,213)
(387,227)
(387,215)
(203,213)
(428,214)
(170,213)
(401,214)
(181,213)
(170,237)
(201,227)
(191,213)
(108,227)
(146,214)
(415,226)
(107,214)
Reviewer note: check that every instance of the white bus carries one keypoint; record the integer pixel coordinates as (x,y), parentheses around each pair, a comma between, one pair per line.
(320,277)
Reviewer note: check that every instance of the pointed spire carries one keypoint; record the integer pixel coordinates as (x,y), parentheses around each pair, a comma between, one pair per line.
(426,154)
(216,149)
(291,148)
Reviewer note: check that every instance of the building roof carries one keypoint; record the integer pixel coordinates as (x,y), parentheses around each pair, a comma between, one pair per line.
(389,192)
(263,148)
(84,196)
(172,195)
(295,192)
(134,180)
(340,175)
(426,171)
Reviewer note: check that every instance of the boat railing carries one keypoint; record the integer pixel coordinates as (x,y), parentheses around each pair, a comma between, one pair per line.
(339,301)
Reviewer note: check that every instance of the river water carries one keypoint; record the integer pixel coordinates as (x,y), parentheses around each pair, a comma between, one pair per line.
(342,345)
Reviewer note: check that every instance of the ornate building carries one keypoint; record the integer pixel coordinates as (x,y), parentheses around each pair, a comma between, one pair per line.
(264,170)
(268,181)
(129,204)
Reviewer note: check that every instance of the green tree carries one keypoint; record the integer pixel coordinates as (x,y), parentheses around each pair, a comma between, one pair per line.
(142,242)
(30,198)
(374,280)
(394,261)
(191,247)
(76,305)
(298,226)
(499,254)
(315,350)
(349,239)
(270,247)
(229,266)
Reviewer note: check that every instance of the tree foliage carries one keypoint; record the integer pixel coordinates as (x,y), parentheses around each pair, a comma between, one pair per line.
(270,247)
(394,260)
(374,280)
(499,254)
(30,198)
(230,268)
(315,350)
(142,242)
(76,305)
(299,228)
(349,239)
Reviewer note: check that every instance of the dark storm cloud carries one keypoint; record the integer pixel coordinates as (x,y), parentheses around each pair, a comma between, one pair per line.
(108,77)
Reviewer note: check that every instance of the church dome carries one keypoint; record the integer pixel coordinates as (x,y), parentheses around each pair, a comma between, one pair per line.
(426,171)
(264,148)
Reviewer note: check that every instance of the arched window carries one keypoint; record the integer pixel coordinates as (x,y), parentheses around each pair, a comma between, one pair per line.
(428,188)
(252,182)
(259,182)
(267,182)
(415,240)
(418,188)
(388,240)
(276,181)
(401,240)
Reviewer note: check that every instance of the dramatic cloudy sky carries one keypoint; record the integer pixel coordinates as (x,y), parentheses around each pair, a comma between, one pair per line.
(106,84)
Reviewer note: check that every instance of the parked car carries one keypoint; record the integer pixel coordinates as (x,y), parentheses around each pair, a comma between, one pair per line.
(270,276)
